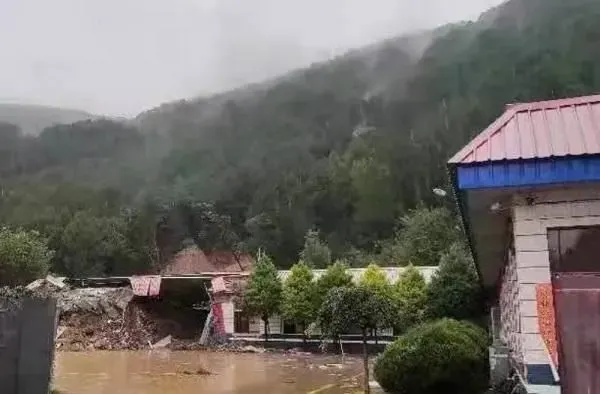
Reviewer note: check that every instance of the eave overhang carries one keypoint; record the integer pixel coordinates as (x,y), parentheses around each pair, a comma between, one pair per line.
(478,186)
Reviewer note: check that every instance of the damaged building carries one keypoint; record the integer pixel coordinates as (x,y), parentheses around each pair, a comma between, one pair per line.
(175,305)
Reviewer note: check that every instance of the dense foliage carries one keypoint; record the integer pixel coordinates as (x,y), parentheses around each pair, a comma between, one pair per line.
(24,257)
(454,290)
(340,153)
(410,295)
(375,279)
(425,234)
(262,295)
(315,253)
(93,246)
(444,356)
(335,276)
(299,302)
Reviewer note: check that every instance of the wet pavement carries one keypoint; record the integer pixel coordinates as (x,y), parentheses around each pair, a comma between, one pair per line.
(154,372)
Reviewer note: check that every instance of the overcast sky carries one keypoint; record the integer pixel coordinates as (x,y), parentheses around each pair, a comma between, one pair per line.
(120,57)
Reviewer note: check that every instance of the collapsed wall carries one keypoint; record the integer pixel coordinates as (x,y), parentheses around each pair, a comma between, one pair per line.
(113,319)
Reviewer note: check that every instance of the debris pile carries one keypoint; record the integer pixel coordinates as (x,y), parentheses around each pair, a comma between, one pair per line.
(113,319)
(95,319)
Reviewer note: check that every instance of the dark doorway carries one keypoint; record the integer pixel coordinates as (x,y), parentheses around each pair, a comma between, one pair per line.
(290,327)
(241,323)
(575,265)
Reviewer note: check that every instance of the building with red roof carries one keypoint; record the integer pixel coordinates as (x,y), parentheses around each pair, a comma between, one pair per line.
(528,190)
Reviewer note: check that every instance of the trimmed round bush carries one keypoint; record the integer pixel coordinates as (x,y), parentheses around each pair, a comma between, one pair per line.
(445,356)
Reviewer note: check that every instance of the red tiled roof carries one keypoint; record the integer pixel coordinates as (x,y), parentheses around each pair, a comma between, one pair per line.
(538,130)
(192,261)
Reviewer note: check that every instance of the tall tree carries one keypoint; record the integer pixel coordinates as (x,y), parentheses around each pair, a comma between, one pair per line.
(346,308)
(425,234)
(375,279)
(299,297)
(262,295)
(336,275)
(94,246)
(454,291)
(410,294)
(315,254)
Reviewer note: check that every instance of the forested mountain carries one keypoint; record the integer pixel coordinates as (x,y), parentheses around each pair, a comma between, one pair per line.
(32,119)
(346,147)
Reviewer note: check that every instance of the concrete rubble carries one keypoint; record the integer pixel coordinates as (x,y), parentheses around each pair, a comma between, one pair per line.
(95,318)
(113,319)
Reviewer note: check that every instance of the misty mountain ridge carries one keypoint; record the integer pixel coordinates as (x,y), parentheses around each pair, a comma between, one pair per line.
(348,146)
(32,119)
(409,46)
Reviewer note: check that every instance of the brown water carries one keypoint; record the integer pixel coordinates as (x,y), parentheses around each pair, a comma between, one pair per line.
(162,372)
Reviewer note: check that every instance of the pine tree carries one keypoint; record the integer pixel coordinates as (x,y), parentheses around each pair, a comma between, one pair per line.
(299,297)
(410,293)
(262,296)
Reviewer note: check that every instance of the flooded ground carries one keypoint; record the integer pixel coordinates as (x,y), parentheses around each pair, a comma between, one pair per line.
(162,372)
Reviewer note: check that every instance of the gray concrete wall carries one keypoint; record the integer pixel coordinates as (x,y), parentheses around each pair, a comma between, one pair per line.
(27,346)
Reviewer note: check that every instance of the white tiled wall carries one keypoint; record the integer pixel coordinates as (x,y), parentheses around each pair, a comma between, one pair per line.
(559,208)
(228,316)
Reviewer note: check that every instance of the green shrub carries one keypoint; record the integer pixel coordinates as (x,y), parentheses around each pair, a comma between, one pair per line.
(24,257)
(445,356)
(454,291)
(410,293)
(425,235)
(316,253)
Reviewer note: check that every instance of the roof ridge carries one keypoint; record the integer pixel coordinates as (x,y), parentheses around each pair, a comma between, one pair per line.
(555,103)
(480,148)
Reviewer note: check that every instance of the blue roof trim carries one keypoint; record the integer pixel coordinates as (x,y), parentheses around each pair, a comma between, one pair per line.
(534,172)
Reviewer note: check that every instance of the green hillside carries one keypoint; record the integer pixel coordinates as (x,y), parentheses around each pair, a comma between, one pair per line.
(346,147)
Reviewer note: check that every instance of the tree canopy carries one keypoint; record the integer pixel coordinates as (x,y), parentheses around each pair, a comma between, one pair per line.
(24,257)
(424,235)
(343,155)
(92,245)
(410,294)
(346,308)
(335,276)
(299,302)
(455,291)
(375,279)
(263,292)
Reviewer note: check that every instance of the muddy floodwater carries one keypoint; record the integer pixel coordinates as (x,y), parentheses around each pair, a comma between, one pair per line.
(161,372)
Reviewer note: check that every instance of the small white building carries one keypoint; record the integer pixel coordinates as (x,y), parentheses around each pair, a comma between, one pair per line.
(528,189)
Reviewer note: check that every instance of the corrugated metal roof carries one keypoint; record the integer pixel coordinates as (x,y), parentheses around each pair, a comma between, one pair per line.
(557,128)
